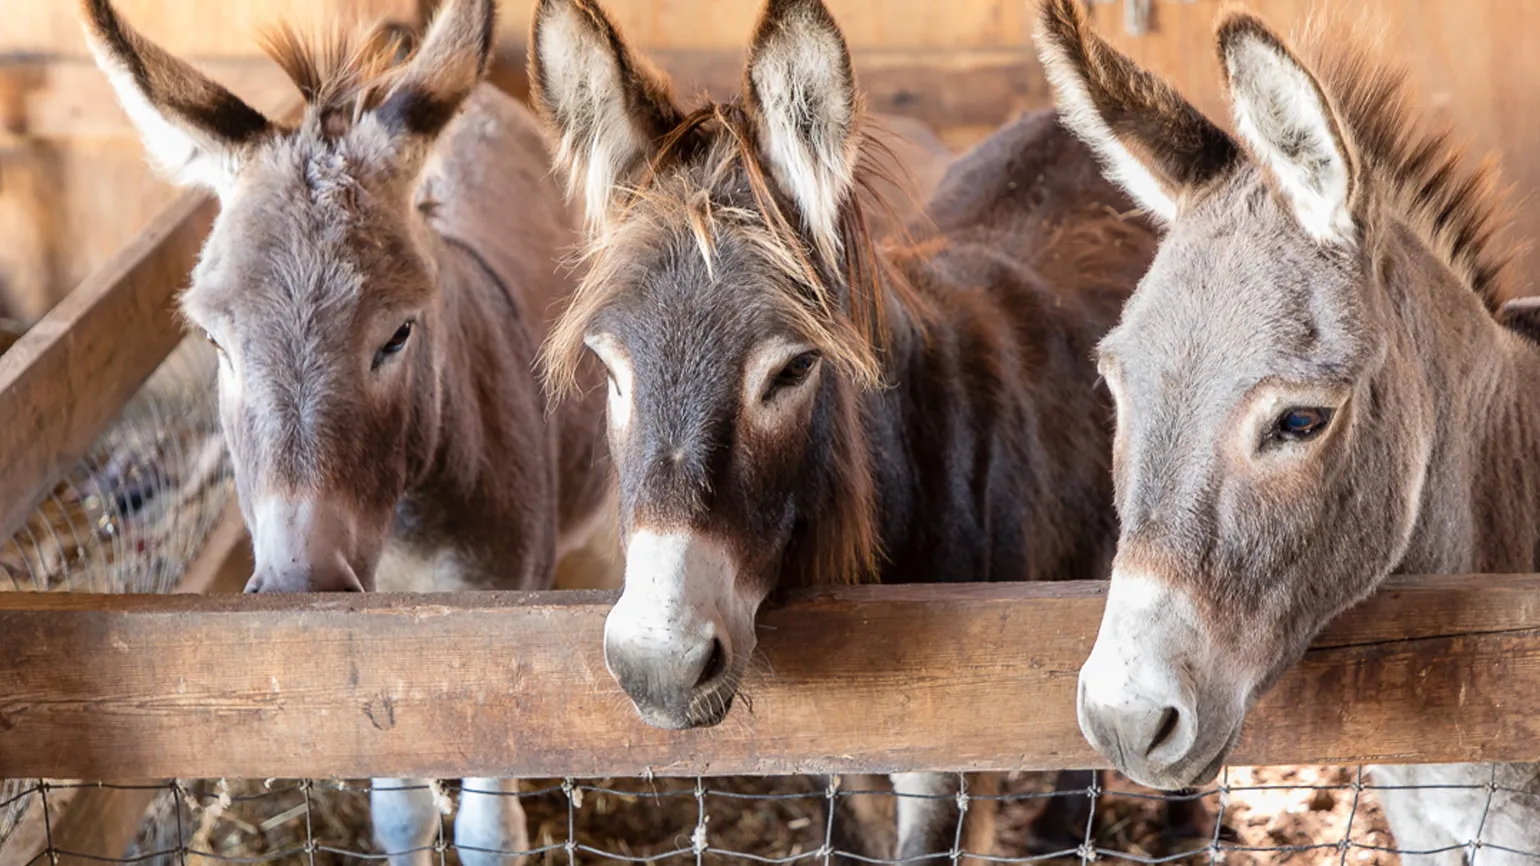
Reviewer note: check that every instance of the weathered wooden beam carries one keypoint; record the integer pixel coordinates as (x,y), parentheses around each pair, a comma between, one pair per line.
(87,824)
(70,375)
(869,678)
(71,99)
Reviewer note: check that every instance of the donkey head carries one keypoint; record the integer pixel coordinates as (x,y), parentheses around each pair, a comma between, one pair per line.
(721,302)
(317,283)
(1274,422)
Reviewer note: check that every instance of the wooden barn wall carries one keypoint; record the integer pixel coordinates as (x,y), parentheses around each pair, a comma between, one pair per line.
(74,187)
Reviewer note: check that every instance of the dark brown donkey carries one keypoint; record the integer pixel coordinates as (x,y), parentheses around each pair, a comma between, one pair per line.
(790,405)
(1315,390)
(377,381)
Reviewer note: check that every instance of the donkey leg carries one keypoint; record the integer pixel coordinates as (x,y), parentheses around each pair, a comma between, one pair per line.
(928,815)
(1191,820)
(490,821)
(1063,822)
(405,820)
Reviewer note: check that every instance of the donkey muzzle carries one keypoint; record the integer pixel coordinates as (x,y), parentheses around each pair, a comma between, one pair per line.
(670,640)
(306,545)
(673,685)
(1143,700)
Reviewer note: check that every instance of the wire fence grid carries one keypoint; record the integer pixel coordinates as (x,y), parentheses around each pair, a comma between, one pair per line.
(1250,815)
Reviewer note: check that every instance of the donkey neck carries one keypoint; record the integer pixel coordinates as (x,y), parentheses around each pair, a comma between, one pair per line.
(481,453)
(1482,487)
(988,448)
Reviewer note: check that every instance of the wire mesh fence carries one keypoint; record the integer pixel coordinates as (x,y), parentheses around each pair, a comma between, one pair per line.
(137,508)
(1249,815)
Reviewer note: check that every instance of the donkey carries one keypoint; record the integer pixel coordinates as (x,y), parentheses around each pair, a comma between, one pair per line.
(1313,390)
(377,320)
(791,406)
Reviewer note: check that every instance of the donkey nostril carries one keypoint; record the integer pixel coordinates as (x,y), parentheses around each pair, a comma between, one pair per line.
(716,664)
(1169,718)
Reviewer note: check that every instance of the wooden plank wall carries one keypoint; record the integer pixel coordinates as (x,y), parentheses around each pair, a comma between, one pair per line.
(73,187)
(74,184)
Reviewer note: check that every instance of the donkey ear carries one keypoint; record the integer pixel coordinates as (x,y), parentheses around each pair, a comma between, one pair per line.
(427,92)
(1153,143)
(802,96)
(1287,122)
(607,106)
(1521,315)
(196,132)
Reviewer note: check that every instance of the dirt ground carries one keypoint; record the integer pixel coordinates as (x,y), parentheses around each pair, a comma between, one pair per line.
(1281,815)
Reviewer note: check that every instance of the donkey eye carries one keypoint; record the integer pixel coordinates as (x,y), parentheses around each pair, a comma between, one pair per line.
(213,342)
(1302,423)
(396,344)
(793,374)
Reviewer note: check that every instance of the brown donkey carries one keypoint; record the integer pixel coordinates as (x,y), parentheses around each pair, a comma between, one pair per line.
(378,322)
(790,405)
(1313,393)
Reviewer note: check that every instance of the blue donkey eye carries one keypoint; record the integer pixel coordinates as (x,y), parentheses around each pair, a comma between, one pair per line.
(1303,422)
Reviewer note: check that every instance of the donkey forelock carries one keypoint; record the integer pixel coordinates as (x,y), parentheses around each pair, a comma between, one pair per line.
(343,72)
(707,183)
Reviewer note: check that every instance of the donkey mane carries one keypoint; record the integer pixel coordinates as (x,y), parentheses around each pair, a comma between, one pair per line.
(1421,165)
(840,292)
(344,71)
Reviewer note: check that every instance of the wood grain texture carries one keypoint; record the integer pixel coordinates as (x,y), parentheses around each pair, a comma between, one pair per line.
(872,679)
(92,824)
(192,28)
(883,24)
(63,382)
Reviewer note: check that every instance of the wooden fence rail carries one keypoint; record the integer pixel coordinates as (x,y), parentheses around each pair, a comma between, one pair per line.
(871,678)
(70,376)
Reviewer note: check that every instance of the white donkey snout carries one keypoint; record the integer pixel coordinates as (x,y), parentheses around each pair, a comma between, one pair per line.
(672,636)
(1138,703)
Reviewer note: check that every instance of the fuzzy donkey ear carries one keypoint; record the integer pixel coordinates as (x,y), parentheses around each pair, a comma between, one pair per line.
(428,91)
(802,95)
(607,106)
(1286,120)
(1152,142)
(196,132)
